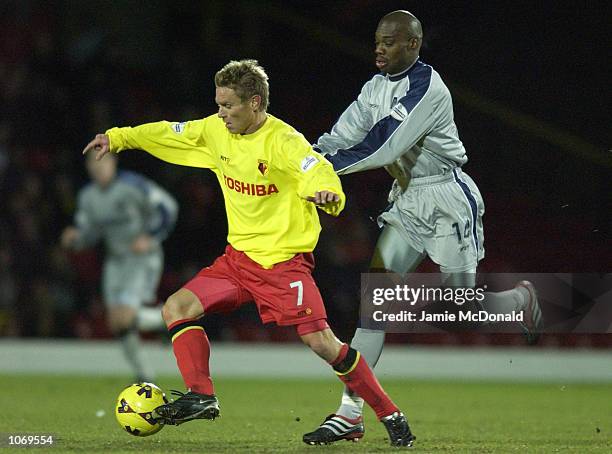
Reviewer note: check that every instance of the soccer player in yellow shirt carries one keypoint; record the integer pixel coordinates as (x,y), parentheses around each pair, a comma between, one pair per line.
(272,183)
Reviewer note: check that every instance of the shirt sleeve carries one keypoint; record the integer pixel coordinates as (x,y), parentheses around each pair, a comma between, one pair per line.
(178,143)
(312,171)
(410,119)
(162,211)
(89,232)
(350,129)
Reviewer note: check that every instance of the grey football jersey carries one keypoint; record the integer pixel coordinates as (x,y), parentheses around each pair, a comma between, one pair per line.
(402,122)
(130,206)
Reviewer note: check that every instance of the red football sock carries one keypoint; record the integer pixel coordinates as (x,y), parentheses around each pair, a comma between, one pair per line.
(192,351)
(354,371)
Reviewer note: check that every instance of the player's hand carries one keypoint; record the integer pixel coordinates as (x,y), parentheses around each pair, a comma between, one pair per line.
(142,244)
(69,236)
(100,144)
(324,197)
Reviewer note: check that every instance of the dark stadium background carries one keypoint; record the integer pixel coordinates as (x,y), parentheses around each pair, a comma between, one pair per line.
(532,104)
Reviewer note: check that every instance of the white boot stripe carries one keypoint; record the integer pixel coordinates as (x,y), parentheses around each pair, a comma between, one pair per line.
(342,423)
(333,424)
(333,429)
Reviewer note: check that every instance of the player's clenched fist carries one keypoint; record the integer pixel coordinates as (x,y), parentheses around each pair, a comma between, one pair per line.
(101,144)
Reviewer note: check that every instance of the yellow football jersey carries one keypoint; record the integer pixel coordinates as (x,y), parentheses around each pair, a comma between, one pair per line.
(265,177)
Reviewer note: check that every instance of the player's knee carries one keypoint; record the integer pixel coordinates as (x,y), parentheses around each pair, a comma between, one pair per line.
(181,305)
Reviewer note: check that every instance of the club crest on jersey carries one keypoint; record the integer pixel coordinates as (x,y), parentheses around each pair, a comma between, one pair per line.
(399,112)
(308,163)
(178,127)
(262,166)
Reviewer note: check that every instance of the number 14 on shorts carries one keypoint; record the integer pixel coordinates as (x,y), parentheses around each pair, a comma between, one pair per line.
(466,230)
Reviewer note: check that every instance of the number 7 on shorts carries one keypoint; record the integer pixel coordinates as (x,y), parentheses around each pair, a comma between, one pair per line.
(300,288)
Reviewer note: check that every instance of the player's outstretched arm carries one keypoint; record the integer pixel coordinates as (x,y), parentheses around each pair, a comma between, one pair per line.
(100,144)
(177,143)
(352,126)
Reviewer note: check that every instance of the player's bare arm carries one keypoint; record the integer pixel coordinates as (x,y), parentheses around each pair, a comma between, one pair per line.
(101,144)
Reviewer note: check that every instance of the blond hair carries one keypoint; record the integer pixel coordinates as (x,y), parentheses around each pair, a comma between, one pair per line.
(247,78)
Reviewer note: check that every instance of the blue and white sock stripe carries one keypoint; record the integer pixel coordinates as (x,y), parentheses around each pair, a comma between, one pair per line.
(473,206)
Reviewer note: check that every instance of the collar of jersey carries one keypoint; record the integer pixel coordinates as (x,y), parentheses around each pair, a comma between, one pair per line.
(256,133)
(404,73)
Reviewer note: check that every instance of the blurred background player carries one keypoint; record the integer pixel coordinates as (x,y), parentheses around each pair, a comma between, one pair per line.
(268,173)
(403,121)
(133,215)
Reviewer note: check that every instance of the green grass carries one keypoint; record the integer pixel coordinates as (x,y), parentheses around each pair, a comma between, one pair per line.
(271,415)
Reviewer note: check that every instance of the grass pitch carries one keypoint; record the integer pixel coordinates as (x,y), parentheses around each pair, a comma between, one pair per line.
(271,416)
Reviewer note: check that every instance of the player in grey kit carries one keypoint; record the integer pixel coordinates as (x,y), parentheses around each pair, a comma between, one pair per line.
(133,215)
(403,121)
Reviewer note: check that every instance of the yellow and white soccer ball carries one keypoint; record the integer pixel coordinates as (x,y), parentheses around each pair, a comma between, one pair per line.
(134,407)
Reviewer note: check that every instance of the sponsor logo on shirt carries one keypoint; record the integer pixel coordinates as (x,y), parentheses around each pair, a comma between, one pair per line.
(257,190)
(308,163)
(178,127)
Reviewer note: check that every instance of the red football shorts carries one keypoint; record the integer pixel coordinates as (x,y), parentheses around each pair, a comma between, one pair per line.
(286,294)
